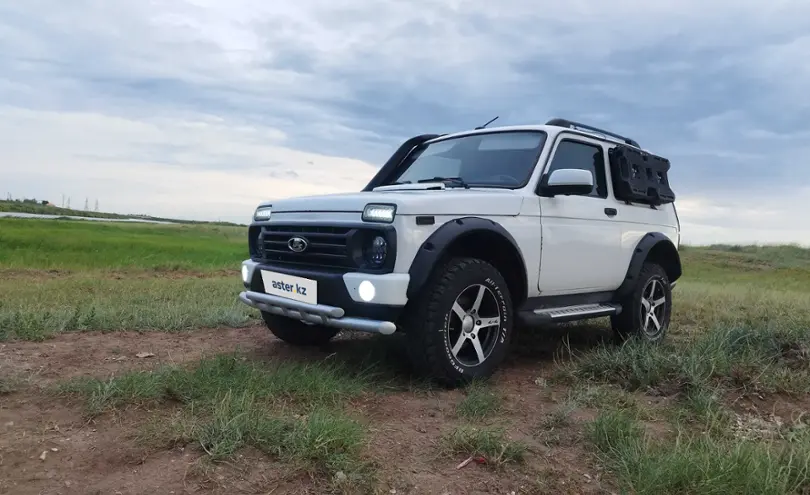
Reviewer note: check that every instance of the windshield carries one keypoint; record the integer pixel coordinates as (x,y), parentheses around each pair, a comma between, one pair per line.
(496,159)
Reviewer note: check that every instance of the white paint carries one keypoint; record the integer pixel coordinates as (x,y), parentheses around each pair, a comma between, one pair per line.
(584,249)
(580,250)
(389,289)
(450,201)
(570,177)
(569,243)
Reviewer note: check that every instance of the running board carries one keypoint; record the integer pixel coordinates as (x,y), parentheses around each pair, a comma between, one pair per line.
(568,313)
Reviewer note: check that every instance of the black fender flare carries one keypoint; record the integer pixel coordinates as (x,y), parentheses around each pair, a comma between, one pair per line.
(436,245)
(650,241)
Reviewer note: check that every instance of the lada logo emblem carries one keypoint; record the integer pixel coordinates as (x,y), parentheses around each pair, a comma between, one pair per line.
(297,244)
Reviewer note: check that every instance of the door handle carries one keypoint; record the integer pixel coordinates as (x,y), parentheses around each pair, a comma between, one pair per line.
(611,212)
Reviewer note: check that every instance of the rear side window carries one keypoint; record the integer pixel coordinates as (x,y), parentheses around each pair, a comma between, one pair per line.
(583,156)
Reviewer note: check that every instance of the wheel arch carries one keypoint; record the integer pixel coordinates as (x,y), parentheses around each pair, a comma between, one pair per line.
(655,247)
(471,237)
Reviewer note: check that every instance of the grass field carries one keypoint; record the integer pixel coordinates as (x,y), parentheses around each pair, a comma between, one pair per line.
(58,276)
(721,407)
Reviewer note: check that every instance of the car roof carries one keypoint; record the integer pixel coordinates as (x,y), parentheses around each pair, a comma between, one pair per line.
(551,130)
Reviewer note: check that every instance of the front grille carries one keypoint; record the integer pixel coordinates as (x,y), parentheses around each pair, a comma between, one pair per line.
(326,246)
(337,247)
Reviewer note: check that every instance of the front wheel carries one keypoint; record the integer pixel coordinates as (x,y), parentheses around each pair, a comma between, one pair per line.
(297,332)
(460,327)
(646,310)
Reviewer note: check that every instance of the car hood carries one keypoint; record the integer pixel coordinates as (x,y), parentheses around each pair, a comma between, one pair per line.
(452,201)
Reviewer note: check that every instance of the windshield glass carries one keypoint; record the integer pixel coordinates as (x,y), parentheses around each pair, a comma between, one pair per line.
(497,159)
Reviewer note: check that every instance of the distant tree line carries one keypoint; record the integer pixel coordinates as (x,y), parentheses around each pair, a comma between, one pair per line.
(32,205)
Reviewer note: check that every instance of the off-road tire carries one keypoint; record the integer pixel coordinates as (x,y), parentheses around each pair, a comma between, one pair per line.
(296,332)
(630,323)
(427,317)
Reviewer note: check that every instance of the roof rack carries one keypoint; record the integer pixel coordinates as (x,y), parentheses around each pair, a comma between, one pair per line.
(573,125)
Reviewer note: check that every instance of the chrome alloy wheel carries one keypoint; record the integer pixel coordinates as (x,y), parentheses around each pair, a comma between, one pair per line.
(473,325)
(653,309)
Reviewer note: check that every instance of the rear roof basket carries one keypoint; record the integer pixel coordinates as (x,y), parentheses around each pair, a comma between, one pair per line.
(570,124)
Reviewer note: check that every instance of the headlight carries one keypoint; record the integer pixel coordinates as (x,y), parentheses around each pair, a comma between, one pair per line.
(376,251)
(263,213)
(379,213)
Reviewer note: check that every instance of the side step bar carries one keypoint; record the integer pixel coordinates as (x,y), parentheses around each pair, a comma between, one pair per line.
(568,313)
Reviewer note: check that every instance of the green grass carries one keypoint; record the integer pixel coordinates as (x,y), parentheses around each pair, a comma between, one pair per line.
(492,443)
(603,397)
(479,403)
(698,307)
(560,417)
(322,443)
(322,440)
(720,289)
(699,463)
(552,427)
(305,384)
(58,276)
(781,268)
(293,411)
(768,359)
(741,323)
(726,331)
(75,246)
(82,303)
(783,256)
(8,385)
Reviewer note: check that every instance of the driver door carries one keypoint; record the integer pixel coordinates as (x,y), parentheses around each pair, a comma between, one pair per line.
(581,240)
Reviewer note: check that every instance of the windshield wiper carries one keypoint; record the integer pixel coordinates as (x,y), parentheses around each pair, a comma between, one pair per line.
(456,180)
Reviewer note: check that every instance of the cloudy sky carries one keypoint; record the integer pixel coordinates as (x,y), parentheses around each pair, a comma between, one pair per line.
(201,108)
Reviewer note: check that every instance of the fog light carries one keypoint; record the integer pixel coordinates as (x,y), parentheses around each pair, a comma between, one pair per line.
(366,291)
(245,274)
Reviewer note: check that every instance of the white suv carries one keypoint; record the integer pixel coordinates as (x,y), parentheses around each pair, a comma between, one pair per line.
(462,238)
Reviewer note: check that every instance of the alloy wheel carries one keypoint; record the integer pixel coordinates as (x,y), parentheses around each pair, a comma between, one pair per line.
(473,325)
(653,308)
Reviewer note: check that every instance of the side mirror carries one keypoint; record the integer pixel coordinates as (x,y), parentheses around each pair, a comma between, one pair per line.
(567,181)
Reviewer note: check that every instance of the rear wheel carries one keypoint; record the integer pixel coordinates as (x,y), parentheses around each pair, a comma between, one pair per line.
(297,332)
(460,327)
(646,310)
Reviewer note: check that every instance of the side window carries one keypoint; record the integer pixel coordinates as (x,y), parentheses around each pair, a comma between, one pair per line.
(574,154)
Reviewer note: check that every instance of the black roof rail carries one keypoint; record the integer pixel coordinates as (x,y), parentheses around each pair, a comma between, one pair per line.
(572,125)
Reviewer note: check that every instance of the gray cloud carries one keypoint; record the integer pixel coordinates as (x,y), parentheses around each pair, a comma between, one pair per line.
(285,89)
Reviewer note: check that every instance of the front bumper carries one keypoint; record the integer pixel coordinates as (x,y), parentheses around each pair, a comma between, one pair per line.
(339,303)
(315,313)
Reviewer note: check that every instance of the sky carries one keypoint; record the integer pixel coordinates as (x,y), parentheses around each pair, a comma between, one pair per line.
(199,109)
